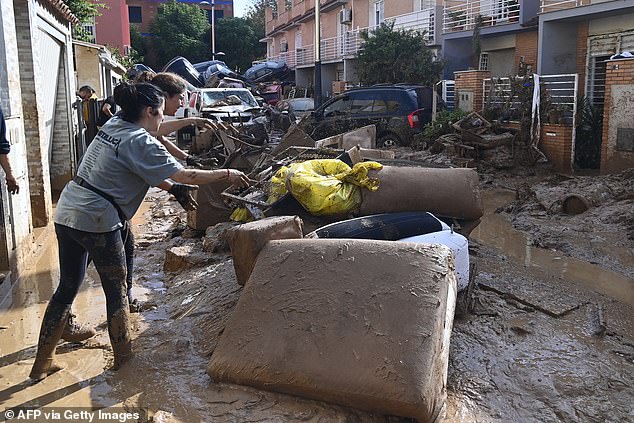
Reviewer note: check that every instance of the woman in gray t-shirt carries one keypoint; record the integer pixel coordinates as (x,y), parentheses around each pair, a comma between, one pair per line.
(119,167)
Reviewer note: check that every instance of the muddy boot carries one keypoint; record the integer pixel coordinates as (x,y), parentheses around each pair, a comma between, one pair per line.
(53,323)
(119,331)
(76,332)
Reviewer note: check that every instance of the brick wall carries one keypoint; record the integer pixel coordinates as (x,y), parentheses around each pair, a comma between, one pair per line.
(556,143)
(470,82)
(33,120)
(582,52)
(60,169)
(619,76)
(526,46)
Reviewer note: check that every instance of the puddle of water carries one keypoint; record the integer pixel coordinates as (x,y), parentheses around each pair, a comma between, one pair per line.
(496,231)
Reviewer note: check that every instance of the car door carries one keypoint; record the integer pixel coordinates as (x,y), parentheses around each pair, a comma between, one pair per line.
(332,118)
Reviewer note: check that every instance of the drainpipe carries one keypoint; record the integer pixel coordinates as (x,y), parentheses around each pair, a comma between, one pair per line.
(317,57)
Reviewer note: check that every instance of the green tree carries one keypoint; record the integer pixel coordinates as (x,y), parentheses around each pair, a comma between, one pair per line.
(256,16)
(238,40)
(85,11)
(137,42)
(179,30)
(390,56)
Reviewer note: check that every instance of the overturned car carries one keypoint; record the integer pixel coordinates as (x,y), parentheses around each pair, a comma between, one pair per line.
(231,105)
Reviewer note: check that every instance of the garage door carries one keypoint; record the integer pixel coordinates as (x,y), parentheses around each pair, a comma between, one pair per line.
(50,52)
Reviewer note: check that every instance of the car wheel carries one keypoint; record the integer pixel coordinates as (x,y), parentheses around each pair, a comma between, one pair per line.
(388,140)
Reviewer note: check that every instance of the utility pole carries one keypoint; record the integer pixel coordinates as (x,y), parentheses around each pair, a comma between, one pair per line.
(213,27)
(317,57)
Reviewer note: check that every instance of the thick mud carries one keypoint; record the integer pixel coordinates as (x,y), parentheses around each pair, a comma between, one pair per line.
(550,338)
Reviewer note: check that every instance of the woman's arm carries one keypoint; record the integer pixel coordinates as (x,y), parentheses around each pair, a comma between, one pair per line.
(202,177)
(172,148)
(167,127)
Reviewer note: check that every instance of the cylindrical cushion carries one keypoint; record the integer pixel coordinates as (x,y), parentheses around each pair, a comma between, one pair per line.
(444,192)
(247,240)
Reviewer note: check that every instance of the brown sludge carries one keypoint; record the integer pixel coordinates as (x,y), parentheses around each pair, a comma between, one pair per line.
(361,323)
(445,192)
(247,240)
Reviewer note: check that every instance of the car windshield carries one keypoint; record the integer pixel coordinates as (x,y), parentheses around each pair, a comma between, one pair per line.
(212,97)
(302,105)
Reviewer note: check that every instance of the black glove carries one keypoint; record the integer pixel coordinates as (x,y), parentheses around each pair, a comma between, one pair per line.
(200,162)
(183,194)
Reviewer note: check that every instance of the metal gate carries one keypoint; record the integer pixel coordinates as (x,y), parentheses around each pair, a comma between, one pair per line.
(50,54)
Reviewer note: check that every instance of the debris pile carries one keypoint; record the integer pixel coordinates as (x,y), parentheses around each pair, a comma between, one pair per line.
(473,135)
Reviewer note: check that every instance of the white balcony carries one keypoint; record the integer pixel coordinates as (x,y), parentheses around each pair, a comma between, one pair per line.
(349,43)
(463,15)
(555,5)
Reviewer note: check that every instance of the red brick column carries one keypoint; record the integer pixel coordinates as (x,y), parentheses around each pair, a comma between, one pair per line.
(619,72)
(582,52)
(555,141)
(526,46)
(470,82)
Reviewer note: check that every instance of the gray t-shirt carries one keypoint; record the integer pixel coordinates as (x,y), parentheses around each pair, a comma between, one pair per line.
(123,160)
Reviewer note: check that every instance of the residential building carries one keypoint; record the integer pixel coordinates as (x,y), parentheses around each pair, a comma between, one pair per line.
(598,30)
(38,90)
(112,27)
(97,67)
(143,12)
(489,35)
(568,42)
(290,33)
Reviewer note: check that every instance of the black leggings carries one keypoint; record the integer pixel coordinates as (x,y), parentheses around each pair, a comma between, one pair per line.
(128,239)
(108,255)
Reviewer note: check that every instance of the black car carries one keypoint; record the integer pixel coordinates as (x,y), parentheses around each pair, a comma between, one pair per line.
(399,112)
(270,70)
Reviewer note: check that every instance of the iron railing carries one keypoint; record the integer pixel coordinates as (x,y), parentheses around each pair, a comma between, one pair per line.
(350,42)
(459,15)
(560,91)
(554,5)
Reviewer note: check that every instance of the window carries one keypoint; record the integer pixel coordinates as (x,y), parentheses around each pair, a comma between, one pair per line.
(379,14)
(135,14)
(361,106)
(484,61)
(338,107)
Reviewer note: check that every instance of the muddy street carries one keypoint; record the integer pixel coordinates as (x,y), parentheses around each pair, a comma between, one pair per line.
(550,338)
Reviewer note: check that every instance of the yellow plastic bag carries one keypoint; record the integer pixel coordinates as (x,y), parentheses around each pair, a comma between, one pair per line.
(325,187)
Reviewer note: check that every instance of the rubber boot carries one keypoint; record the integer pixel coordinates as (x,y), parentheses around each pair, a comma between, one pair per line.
(119,331)
(76,332)
(53,323)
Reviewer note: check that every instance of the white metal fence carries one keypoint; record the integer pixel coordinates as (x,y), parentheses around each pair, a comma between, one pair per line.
(460,15)
(448,93)
(554,5)
(558,96)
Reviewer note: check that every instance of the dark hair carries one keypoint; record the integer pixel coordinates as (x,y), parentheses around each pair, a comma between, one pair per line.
(170,83)
(86,88)
(133,98)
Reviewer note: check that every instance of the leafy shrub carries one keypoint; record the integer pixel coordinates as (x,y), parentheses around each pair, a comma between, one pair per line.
(441,126)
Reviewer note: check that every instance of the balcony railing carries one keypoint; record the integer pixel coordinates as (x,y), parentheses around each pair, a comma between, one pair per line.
(554,5)
(349,43)
(464,15)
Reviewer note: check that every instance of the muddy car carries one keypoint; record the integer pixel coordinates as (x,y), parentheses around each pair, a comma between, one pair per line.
(235,105)
(399,112)
(290,111)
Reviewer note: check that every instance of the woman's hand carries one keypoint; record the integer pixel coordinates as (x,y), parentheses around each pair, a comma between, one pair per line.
(237,178)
